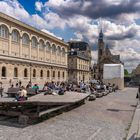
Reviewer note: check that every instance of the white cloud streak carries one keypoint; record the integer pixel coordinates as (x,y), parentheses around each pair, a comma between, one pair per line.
(38,5)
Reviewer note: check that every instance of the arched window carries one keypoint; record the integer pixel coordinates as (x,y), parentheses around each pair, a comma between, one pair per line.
(34,73)
(41,44)
(25,73)
(15,36)
(63,74)
(41,73)
(53,49)
(4,33)
(48,46)
(53,74)
(63,52)
(58,50)
(34,42)
(15,72)
(3,72)
(25,39)
(48,73)
(58,74)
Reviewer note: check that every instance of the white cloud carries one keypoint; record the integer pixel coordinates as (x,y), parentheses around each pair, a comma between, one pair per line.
(129,52)
(38,21)
(79,36)
(53,21)
(62,3)
(47,21)
(38,5)
(94,57)
(50,33)
(14,9)
(54,3)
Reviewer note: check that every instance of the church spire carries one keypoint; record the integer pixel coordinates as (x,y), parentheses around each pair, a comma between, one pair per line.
(101,35)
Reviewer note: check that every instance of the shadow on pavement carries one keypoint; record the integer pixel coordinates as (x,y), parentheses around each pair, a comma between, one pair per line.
(10,121)
(117,110)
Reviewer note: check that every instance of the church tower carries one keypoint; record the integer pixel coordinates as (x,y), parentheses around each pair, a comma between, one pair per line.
(100,46)
(101,50)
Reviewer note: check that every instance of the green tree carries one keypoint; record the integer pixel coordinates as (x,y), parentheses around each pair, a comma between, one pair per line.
(126,73)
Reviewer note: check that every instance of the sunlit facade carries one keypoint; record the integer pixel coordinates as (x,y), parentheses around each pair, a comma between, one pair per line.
(30,54)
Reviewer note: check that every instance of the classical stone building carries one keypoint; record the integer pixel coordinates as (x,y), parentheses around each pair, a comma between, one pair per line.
(80,46)
(104,56)
(79,61)
(28,54)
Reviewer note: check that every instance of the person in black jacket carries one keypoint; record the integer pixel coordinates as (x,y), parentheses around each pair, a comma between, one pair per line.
(138,94)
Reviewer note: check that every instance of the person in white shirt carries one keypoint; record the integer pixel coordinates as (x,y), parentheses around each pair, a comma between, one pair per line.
(22,94)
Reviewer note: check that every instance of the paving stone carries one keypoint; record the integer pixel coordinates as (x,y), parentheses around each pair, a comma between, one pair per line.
(106,118)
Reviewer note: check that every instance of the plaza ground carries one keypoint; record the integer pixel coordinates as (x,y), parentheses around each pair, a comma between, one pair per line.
(107,118)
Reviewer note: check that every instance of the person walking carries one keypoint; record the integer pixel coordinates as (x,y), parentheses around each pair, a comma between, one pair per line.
(1,89)
(138,94)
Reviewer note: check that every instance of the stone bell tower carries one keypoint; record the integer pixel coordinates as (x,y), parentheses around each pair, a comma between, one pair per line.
(101,47)
(101,50)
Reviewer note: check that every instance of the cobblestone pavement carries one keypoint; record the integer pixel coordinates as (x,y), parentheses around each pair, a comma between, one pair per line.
(107,118)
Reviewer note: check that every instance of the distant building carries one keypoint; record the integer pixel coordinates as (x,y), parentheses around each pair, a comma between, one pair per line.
(136,75)
(105,56)
(81,47)
(94,72)
(79,61)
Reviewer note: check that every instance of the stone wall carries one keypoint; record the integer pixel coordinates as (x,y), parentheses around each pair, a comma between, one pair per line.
(117,81)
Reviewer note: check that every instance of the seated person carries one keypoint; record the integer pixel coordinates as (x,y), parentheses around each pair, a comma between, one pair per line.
(71,88)
(49,91)
(45,87)
(29,85)
(36,87)
(61,90)
(22,94)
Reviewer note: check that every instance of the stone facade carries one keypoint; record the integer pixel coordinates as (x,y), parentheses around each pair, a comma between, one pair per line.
(79,61)
(30,54)
(136,75)
(94,72)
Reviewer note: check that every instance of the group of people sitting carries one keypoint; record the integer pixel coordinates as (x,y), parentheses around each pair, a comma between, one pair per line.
(98,87)
(80,87)
(22,93)
(59,88)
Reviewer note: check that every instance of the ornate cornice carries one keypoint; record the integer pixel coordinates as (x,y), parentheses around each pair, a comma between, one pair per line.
(15,21)
(4,58)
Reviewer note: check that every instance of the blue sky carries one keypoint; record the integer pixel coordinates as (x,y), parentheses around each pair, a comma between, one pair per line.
(31,8)
(29,5)
(82,20)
